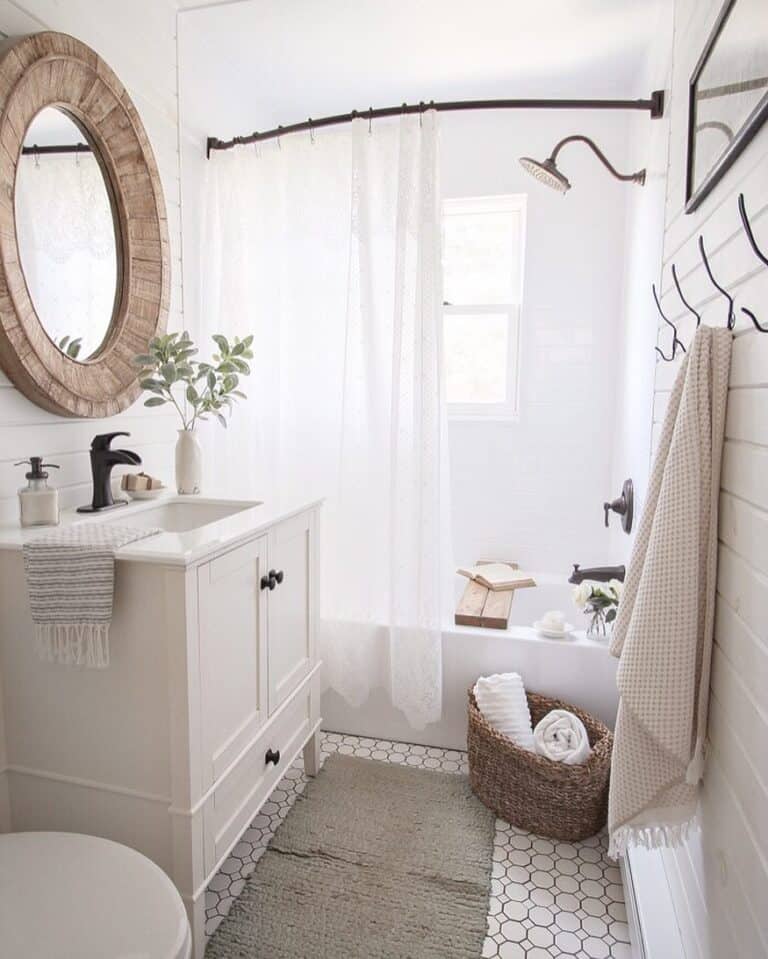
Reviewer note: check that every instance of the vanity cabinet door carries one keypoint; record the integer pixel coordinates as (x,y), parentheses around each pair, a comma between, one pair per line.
(290,606)
(233,663)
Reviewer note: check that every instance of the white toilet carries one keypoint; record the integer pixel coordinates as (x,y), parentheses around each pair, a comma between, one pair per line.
(69,896)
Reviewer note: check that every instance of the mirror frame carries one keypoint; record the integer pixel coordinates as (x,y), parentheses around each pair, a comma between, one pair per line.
(53,69)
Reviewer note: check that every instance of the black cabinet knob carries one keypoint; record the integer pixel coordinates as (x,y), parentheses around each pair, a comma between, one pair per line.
(268,582)
(272,756)
(278,574)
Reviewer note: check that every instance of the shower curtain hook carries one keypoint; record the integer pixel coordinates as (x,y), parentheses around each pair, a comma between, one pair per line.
(422,108)
(685,302)
(279,144)
(370,121)
(750,234)
(675,340)
(37,157)
(726,294)
(311,132)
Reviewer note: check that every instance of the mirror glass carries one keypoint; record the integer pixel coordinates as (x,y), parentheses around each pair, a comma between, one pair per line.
(66,234)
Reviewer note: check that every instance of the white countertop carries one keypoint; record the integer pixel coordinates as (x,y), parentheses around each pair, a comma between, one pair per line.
(173,548)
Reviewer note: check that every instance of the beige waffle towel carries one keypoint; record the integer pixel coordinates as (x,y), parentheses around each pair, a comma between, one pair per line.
(663,631)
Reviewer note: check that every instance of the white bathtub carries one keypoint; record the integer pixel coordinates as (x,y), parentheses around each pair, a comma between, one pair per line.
(578,670)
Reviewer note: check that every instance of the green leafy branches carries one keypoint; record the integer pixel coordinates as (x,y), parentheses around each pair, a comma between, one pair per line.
(197,390)
(71,346)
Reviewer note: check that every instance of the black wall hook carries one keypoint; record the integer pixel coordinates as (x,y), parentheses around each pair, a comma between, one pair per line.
(758,253)
(750,234)
(751,315)
(685,302)
(726,294)
(675,340)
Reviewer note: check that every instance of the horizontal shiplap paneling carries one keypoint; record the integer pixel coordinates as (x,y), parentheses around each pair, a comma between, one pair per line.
(138,40)
(719,879)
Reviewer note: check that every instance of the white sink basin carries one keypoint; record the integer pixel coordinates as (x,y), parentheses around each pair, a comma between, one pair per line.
(177,516)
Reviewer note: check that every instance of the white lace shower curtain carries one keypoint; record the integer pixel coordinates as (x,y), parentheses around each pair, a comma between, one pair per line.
(329,251)
(67,245)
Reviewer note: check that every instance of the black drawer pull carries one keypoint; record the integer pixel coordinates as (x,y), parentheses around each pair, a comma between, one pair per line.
(277,574)
(272,756)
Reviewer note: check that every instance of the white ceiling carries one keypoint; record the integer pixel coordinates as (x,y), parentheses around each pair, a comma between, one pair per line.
(251,64)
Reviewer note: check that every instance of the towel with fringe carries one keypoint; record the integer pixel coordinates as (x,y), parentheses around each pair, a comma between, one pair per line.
(71,582)
(664,626)
(562,737)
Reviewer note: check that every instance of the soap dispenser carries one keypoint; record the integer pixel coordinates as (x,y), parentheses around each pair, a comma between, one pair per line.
(38,502)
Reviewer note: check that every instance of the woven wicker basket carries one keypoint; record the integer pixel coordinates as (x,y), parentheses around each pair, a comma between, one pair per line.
(533,792)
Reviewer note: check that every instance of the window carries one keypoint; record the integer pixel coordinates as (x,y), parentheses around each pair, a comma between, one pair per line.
(483,240)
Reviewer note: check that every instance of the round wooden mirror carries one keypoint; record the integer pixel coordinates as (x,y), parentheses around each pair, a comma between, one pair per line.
(92,268)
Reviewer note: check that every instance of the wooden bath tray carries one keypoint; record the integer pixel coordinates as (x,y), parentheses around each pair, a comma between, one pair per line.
(480,606)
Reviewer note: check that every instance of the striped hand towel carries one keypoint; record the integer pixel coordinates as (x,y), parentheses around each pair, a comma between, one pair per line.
(71,582)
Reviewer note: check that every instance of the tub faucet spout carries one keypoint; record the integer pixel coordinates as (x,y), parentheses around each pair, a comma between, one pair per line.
(600,574)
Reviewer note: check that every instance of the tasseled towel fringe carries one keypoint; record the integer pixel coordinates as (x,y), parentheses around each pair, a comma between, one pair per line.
(74,644)
(648,837)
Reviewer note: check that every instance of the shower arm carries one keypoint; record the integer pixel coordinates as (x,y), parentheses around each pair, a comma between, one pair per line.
(638,177)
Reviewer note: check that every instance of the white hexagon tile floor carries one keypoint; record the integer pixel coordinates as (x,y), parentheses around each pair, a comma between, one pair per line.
(548,898)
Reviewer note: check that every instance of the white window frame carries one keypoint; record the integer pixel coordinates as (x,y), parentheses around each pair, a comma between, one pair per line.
(509,409)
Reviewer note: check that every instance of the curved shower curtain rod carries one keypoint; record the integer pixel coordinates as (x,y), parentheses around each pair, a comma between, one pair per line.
(654,105)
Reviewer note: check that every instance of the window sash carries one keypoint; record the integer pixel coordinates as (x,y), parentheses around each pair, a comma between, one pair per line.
(509,203)
(508,409)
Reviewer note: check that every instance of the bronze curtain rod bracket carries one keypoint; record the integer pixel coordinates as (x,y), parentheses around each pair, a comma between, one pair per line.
(654,105)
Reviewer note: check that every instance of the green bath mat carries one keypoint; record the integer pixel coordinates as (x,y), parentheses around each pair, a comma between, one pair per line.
(375,861)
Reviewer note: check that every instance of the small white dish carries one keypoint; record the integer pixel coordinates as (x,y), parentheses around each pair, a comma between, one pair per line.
(552,633)
(146,493)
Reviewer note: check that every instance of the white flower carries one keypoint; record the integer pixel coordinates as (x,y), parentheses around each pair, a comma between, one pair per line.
(582,593)
(617,586)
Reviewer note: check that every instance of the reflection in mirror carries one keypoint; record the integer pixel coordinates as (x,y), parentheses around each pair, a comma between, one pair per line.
(66,234)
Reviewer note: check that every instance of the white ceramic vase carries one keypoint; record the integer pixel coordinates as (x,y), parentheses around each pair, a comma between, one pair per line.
(189,462)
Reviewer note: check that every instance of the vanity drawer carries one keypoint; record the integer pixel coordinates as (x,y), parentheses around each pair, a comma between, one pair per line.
(241,793)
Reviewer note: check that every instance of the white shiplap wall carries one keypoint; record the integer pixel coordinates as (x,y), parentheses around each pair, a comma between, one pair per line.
(719,880)
(138,40)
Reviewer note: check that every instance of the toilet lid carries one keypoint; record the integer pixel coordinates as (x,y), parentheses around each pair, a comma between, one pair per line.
(69,896)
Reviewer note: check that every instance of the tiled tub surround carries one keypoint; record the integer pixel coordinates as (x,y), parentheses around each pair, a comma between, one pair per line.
(548,899)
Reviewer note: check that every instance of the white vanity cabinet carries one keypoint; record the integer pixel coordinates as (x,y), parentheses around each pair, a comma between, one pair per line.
(233,654)
(289,622)
(211,692)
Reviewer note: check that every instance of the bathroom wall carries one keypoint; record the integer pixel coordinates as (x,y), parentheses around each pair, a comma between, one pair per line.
(643,242)
(532,490)
(138,40)
(719,880)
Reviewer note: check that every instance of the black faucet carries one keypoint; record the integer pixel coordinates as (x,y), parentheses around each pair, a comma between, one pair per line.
(103,458)
(600,574)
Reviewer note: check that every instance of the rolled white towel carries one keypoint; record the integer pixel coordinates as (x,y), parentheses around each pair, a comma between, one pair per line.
(501,700)
(561,736)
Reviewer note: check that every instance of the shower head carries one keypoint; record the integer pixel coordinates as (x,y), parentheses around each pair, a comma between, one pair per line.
(546,171)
